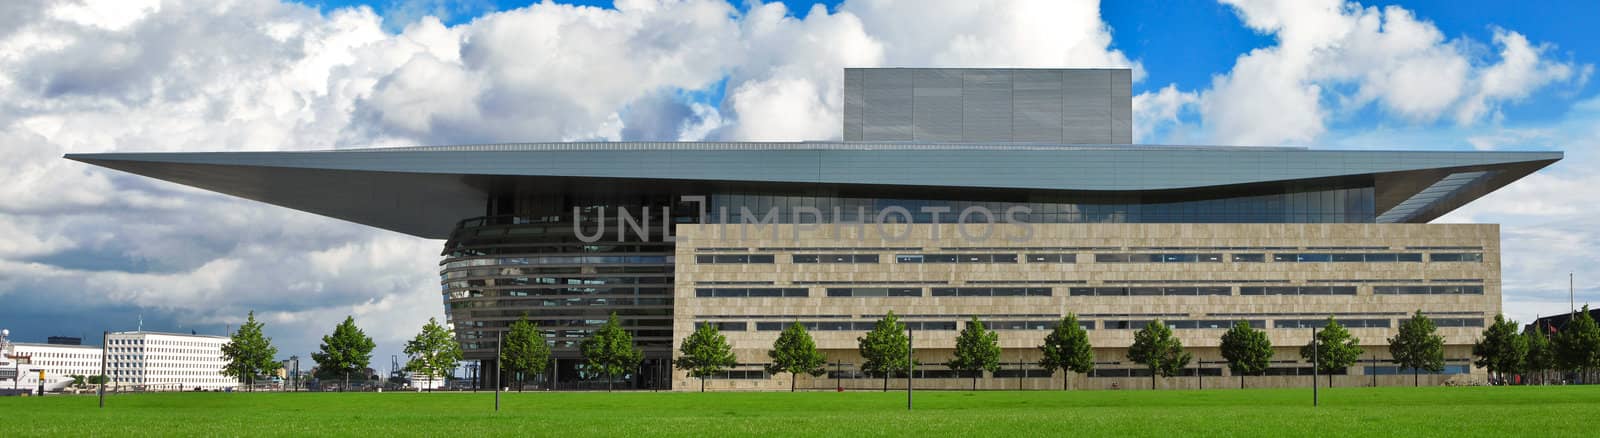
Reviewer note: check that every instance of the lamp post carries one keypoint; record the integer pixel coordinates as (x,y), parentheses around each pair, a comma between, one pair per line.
(104,379)
(1315,363)
(294,374)
(911,363)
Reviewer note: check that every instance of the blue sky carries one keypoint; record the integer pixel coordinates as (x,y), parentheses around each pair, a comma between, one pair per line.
(84,249)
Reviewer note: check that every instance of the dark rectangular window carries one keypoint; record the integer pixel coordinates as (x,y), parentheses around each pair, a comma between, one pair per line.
(1313,258)
(734,259)
(805,258)
(1408,257)
(1456,257)
(1052,258)
(874,292)
(1382,258)
(1349,258)
(1249,258)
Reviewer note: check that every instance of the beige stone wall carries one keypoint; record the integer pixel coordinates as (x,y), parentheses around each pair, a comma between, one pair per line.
(1018,345)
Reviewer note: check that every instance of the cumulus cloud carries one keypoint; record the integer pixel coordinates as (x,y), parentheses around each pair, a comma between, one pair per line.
(87,245)
(1334,58)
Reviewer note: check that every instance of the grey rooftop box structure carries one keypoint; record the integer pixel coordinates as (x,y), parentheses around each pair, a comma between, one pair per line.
(967,105)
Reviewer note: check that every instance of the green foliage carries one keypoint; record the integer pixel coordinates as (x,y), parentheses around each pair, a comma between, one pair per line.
(524,351)
(1541,355)
(78,380)
(1577,345)
(1335,350)
(1418,346)
(249,353)
(610,350)
(884,349)
(1247,350)
(347,350)
(1502,350)
(434,351)
(705,352)
(97,380)
(1155,347)
(1067,348)
(795,352)
(977,350)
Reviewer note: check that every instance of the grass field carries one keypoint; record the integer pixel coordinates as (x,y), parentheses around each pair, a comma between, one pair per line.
(1346,412)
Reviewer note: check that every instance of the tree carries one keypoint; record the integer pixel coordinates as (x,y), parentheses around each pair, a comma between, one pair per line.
(1247,350)
(347,350)
(434,352)
(977,350)
(78,381)
(705,352)
(794,352)
(1502,350)
(1067,348)
(610,350)
(884,349)
(1418,347)
(98,379)
(249,353)
(1335,350)
(1154,347)
(1577,345)
(524,351)
(1541,355)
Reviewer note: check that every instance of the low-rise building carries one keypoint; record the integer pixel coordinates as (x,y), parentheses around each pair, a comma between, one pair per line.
(166,361)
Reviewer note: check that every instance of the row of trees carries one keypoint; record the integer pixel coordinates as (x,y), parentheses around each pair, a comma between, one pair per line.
(1247,350)
(250,354)
(1537,350)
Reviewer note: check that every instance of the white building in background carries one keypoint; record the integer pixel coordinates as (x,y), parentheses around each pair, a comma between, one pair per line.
(166,361)
(26,360)
(58,362)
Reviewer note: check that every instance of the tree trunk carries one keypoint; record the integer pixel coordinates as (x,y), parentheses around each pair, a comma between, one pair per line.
(885,382)
(702,383)
(1064,377)
(792,378)
(1152,378)
(346,381)
(1416,378)
(1241,380)
(1330,379)
(609,379)
(975,380)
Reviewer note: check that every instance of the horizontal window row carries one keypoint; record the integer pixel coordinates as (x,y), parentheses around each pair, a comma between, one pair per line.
(1103,291)
(1297,290)
(1455,257)
(560,260)
(1458,322)
(1427,290)
(874,292)
(1116,324)
(563,302)
(1318,257)
(991,291)
(835,258)
(853,326)
(551,292)
(1179,324)
(1320,323)
(534,281)
(955,258)
(754,292)
(1149,291)
(1052,258)
(1158,258)
(735,258)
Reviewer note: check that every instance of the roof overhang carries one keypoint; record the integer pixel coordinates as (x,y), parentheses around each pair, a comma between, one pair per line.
(424,191)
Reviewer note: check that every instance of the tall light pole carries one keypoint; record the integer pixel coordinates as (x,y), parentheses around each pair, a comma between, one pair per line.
(497,339)
(911,363)
(1315,363)
(104,379)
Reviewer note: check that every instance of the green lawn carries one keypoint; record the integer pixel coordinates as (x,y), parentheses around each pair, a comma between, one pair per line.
(1345,412)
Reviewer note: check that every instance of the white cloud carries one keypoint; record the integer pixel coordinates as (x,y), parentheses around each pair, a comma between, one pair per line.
(1334,58)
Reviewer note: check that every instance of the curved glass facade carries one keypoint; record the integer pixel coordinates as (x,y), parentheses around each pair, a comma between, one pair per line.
(498,270)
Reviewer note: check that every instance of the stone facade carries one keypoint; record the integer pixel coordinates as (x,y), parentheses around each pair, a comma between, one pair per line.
(1464,294)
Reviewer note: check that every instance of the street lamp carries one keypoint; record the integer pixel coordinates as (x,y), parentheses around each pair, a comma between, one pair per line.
(295,374)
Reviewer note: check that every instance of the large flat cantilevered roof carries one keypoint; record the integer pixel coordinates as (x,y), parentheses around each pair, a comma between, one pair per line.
(423,191)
